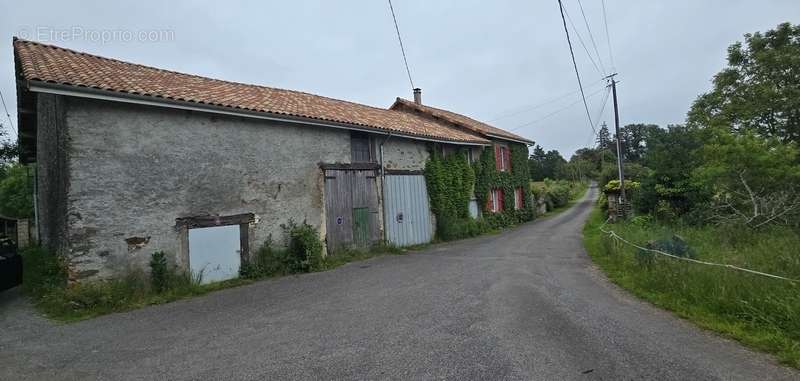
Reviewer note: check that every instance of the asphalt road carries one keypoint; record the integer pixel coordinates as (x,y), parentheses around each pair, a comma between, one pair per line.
(524,304)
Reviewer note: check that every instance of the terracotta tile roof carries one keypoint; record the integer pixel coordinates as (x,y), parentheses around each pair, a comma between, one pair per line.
(461,120)
(52,64)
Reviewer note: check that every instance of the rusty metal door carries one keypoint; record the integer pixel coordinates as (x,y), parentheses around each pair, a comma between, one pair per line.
(350,194)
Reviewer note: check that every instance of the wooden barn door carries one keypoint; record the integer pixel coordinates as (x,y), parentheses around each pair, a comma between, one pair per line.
(351,208)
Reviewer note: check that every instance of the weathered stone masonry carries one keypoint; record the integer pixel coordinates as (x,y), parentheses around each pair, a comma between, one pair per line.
(132,170)
(52,184)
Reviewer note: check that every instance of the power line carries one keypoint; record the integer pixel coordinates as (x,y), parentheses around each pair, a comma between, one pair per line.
(608,39)
(11,122)
(555,112)
(402,49)
(575,65)
(591,37)
(541,104)
(602,108)
(580,39)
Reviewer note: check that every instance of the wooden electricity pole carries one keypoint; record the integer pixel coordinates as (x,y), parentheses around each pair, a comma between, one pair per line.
(622,198)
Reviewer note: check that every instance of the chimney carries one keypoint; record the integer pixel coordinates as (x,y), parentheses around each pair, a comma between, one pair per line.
(418,95)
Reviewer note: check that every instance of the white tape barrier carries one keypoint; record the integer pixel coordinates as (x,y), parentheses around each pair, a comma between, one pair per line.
(616,236)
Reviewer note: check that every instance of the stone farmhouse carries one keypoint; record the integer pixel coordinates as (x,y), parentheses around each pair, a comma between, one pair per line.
(132,159)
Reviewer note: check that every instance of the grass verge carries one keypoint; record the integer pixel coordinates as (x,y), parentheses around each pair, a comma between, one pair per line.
(759,312)
(45,282)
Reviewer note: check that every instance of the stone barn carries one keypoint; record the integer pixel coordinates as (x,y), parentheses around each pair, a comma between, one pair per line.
(132,159)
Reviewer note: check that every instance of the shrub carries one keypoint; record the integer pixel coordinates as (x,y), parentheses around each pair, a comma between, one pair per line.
(41,271)
(267,261)
(16,192)
(159,273)
(555,193)
(304,248)
(753,180)
(457,228)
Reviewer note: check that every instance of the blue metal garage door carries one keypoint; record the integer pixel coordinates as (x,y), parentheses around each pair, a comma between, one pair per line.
(407,211)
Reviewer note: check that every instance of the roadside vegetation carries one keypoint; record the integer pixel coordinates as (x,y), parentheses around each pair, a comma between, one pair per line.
(761,312)
(723,188)
(557,195)
(45,276)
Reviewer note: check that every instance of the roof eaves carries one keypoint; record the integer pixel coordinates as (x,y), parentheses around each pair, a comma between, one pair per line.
(155,100)
(436,113)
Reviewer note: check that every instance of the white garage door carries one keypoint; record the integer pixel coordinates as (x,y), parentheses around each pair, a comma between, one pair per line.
(215,252)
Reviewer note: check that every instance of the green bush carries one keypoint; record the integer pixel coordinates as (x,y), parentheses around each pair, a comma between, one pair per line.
(304,248)
(633,172)
(267,261)
(556,193)
(159,273)
(301,253)
(448,229)
(45,280)
(41,271)
(16,191)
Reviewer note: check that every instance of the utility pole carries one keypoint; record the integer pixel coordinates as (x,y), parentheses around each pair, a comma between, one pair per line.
(622,198)
(602,144)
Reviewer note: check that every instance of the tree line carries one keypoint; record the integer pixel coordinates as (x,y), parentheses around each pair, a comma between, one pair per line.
(735,159)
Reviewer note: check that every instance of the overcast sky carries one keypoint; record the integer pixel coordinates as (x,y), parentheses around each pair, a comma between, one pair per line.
(484,59)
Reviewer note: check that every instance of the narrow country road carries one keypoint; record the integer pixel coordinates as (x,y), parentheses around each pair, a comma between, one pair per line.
(526,304)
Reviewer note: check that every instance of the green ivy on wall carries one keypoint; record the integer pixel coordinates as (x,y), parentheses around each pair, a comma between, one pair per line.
(487,177)
(450,181)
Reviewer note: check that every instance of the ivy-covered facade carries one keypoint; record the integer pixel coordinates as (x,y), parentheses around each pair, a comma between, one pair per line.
(501,184)
(475,190)
(496,179)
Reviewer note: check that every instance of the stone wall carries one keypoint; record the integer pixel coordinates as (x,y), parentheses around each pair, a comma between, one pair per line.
(405,154)
(134,169)
(52,182)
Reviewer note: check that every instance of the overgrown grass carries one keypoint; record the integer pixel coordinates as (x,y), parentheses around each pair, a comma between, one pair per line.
(760,312)
(45,281)
(45,277)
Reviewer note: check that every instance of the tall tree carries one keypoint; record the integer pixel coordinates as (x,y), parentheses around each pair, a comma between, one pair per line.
(603,138)
(544,165)
(671,157)
(760,88)
(634,140)
(536,163)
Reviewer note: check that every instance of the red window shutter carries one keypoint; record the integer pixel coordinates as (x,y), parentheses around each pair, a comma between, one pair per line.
(489,200)
(497,157)
(517,198)
(500,200)
(508,159)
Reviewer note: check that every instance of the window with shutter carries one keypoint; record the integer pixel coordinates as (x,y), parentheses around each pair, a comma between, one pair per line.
(517,198)
(502,158)
(494,203)
(500,200)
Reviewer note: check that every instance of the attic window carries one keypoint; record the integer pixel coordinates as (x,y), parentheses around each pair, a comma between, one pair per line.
(360,148)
